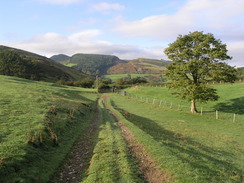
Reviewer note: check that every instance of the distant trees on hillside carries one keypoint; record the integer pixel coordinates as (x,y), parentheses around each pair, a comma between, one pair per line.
(12,64)
(240,73)
(93,64)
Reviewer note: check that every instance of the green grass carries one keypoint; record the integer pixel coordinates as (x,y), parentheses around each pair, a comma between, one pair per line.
(111,161)
(39,122)
(70,64)
(191,148)
(231,99)
(115,77)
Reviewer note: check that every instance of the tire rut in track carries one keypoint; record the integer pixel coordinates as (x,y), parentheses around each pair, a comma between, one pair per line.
(150,172)
(78,159)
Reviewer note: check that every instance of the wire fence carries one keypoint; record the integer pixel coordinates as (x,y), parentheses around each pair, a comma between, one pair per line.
(232,117)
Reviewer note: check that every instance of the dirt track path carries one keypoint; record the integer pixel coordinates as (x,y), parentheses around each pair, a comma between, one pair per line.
(79,158)
(150,172)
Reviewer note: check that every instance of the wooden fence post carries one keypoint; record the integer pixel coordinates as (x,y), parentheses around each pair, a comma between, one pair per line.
(234,118)
(217,116)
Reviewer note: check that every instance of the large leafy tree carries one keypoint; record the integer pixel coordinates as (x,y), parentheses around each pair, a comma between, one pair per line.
(197,59)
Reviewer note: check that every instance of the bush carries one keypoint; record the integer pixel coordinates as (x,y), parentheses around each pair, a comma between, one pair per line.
(85,83)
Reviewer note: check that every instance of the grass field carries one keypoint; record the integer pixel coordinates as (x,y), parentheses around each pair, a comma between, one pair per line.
(70,64)
(115,77)
(231,99)
(190,148)
(39,122)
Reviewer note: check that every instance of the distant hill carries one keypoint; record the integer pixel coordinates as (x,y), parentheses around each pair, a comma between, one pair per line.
(140,66)
(107,64)
(61,58)
(94,64)
(48,70)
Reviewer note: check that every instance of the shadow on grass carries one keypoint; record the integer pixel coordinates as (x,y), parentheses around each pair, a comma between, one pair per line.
(209,164)
(232,106)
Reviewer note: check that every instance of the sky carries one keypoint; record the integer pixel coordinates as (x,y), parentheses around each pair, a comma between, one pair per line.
(125,28)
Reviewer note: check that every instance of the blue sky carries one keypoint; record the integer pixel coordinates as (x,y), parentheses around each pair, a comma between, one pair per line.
(125,28)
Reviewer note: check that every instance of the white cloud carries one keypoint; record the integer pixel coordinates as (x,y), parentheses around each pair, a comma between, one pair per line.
(105,7)
(83,42)
(84,35)
(59,1)
(236,50)
(221,16)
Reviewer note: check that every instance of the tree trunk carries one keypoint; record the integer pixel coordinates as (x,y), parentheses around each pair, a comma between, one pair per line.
(193,106)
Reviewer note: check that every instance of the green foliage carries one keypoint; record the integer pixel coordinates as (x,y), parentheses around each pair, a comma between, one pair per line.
(85,83)
(130,81)
(11,64)
(196,61)
(240,73)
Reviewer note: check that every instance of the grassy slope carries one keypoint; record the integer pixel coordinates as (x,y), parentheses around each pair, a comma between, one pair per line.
(110,162)
(51,71)
(190,147)
(231,97)
(28,110)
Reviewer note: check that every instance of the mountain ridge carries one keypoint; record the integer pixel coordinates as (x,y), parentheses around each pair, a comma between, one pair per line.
(98,64)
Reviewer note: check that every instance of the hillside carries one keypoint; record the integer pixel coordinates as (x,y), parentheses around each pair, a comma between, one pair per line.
(48,70)
(140,66)
(61,58)
(107,64)
(39,122)
(94,64)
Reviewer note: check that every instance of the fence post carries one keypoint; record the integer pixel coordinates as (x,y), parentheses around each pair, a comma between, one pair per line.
(201,111)
(217,116)
(234,118)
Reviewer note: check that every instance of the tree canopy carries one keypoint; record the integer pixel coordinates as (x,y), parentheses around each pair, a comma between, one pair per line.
(197,59)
